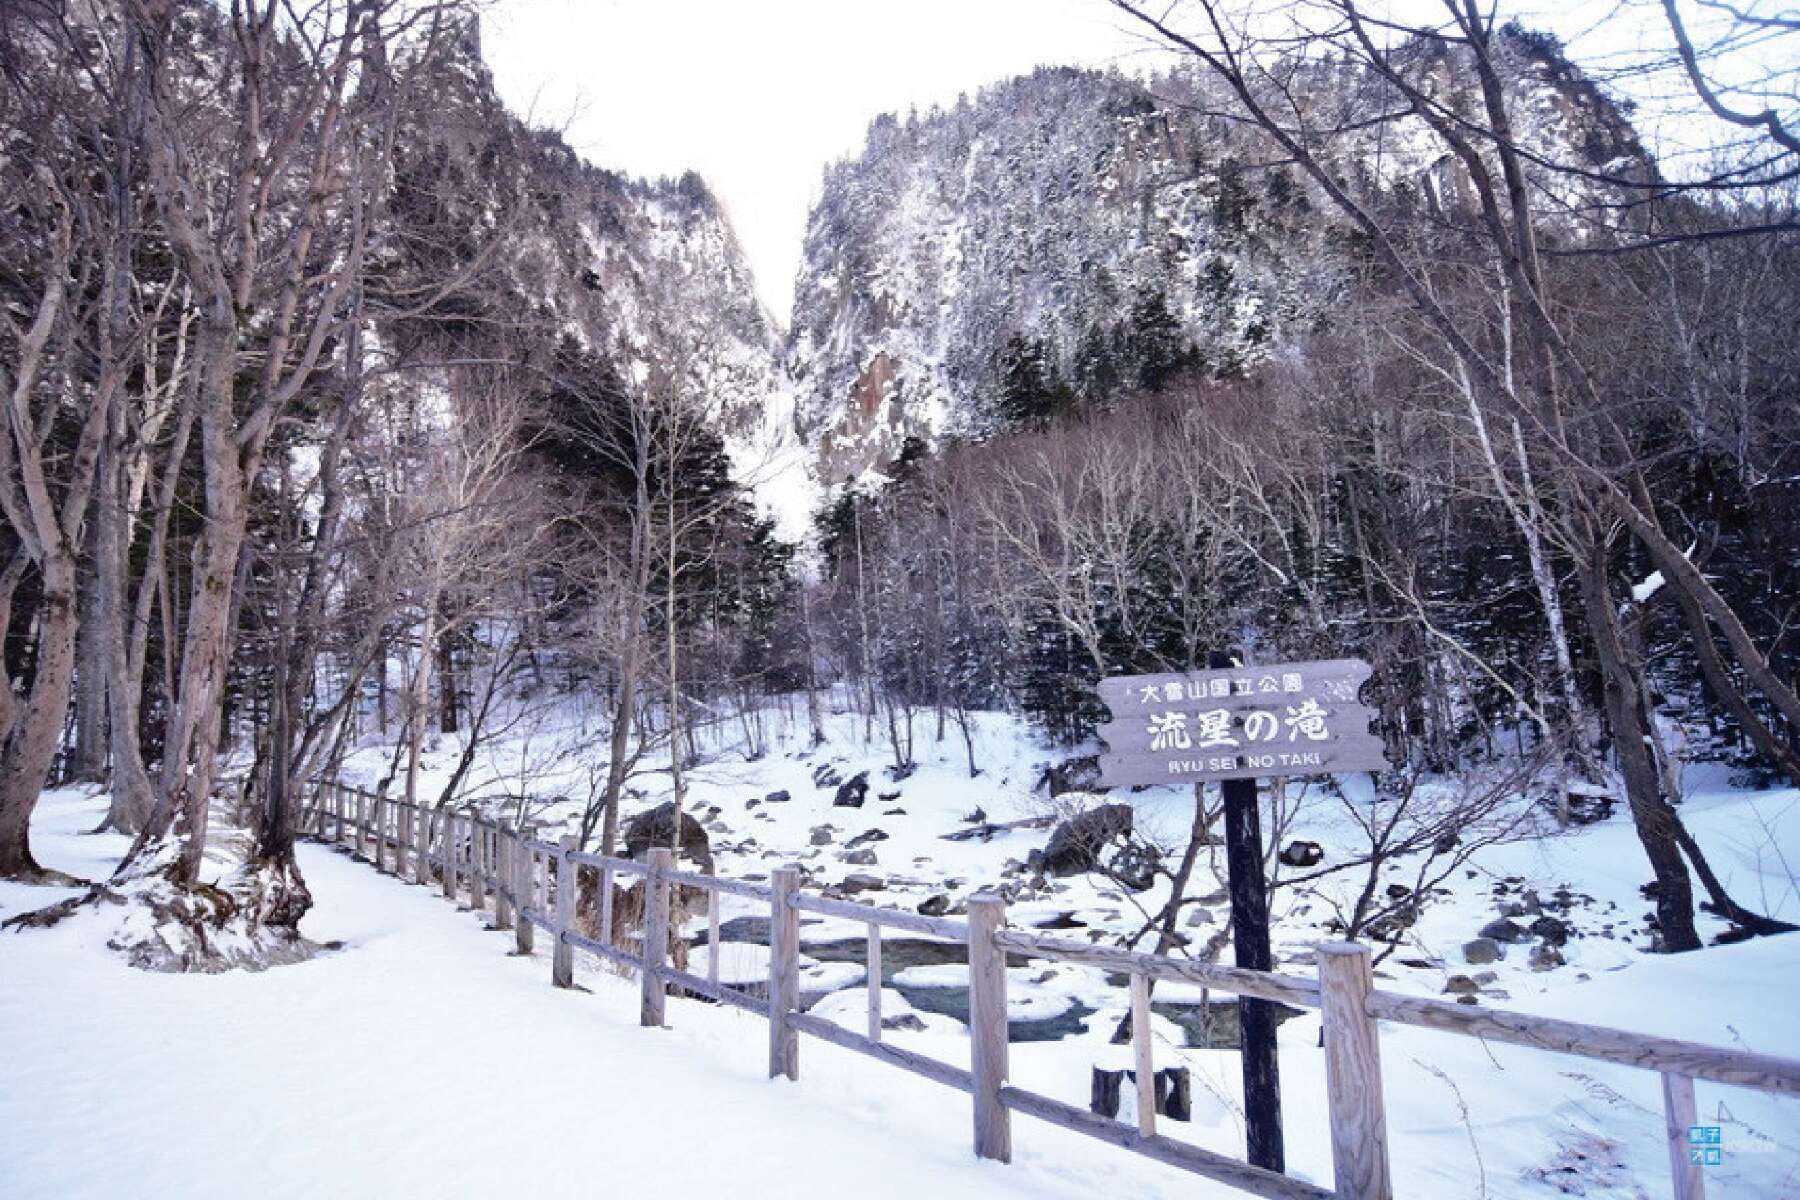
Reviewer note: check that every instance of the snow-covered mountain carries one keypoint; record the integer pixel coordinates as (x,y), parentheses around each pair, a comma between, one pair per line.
(639,274)
(1072,233)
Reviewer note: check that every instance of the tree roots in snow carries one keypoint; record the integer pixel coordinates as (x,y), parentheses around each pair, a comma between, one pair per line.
(248,921)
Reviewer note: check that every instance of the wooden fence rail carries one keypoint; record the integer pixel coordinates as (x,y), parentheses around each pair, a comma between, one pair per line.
(533,886)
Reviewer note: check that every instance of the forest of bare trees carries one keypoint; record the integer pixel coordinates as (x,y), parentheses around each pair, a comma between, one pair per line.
(302,451)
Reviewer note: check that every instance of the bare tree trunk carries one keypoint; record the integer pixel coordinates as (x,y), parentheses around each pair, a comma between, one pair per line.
(1650,813)
(447,703)
(132,794)
(49,531)
(814,716)
(30,745)
(87,749)
(419,699)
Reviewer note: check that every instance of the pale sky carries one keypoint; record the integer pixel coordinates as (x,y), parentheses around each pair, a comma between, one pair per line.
(759,95)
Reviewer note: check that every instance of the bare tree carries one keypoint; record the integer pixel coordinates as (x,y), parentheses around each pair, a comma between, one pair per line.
(1536,375)
(68,251)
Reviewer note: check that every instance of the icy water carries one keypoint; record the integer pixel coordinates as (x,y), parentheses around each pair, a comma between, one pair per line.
(1213,1025)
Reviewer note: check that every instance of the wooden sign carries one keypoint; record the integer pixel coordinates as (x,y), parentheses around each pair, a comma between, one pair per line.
(1264,722)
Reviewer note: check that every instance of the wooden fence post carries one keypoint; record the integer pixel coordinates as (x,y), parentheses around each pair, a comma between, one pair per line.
(1678,1116)
(477,862)
(362,823)
(606,906)
(1144,1058)
(380,822)
(656,936)
(337,813)
(422,851)
(524,876)
(712,936)
(872,971)
(988,1033)
(1359,1155)
(447,850)
(403,834)
(784,973)
(505,846)
(562,960)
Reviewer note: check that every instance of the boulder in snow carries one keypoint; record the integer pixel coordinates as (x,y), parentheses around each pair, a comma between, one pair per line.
(852,792)
(1303,854)
(1483,950)
(1505,930)
(657,828)
(1075,845)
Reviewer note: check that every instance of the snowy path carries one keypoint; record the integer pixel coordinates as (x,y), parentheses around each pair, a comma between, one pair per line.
(422,1060)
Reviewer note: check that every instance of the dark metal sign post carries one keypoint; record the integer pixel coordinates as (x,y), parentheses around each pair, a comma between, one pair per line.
(1235,725)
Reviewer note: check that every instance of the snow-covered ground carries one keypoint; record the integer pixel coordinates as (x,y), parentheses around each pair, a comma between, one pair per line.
(422,1058)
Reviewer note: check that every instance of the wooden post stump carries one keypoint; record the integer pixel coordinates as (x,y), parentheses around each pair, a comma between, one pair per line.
(988,1032)
(1359,1157)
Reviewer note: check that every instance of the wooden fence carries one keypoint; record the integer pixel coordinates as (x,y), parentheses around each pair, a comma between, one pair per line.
(531,883)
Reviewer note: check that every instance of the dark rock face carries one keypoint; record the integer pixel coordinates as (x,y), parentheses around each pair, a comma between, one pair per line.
(865,838)
(1076,844)
(935,906)
(1303,854)
(825,775)
(852,792)
(777,798)
(657,828)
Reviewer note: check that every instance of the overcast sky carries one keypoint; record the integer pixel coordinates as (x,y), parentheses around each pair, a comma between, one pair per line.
(759,95)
